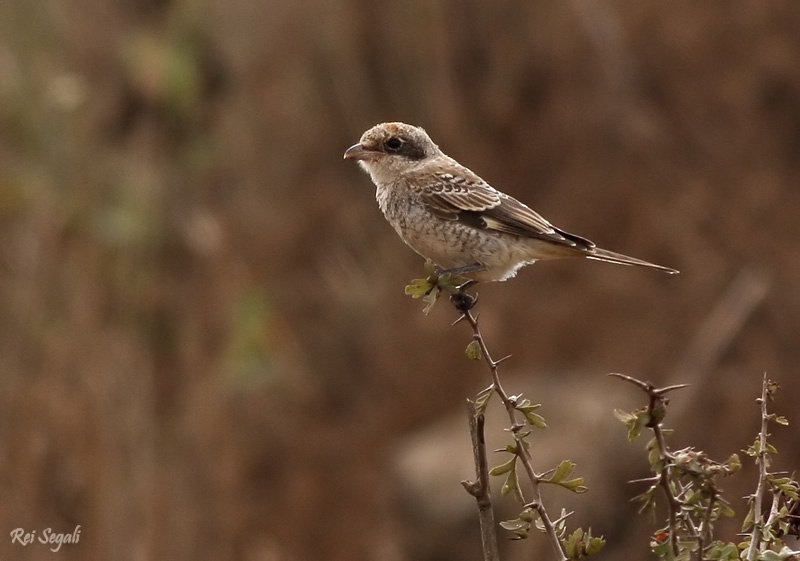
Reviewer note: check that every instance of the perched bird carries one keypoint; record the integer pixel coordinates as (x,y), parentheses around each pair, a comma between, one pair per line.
(448,214)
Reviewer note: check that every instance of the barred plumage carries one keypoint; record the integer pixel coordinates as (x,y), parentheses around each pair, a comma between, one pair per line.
(448,214)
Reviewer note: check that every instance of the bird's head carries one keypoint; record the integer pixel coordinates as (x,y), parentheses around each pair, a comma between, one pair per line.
(387,150)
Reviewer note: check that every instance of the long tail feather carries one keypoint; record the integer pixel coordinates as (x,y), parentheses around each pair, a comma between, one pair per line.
(611,257)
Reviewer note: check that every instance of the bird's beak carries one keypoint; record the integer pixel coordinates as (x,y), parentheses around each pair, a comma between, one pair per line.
(358,152)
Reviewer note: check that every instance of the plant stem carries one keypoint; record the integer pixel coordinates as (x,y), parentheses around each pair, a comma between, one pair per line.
(761,489)
(705,529)
(522,452)
(480,487)
(673,504)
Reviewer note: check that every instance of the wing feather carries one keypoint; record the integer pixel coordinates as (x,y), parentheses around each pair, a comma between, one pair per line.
(469,199)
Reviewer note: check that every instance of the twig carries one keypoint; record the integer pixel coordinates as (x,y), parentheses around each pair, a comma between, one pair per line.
(480,487)
(705,529)
(656,410)
(763,483)
(510,403)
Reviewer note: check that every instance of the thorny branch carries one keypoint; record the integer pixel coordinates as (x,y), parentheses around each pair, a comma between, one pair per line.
(656,410)
(763,483)
(464,303)
(480,488)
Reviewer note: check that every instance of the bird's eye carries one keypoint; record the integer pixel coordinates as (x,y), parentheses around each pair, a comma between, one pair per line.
(394,144)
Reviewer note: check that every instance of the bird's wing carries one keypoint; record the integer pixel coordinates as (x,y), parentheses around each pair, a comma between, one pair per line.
(469,199)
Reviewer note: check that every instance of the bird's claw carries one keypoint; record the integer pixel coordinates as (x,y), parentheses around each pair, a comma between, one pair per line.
(463,301)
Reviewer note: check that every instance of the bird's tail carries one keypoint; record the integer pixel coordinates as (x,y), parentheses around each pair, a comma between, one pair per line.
(611,257)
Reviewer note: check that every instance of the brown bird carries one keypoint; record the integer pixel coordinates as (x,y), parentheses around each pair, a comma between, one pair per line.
(448,214)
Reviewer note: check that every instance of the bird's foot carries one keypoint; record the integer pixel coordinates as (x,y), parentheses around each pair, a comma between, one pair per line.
(463,301)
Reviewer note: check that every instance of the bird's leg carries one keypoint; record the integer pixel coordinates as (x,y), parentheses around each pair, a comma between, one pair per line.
(462,301)
(461,270)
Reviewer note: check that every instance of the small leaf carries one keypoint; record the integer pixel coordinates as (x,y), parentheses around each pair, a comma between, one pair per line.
(504,468)
(575,485)
(786,485)
(595,544)
(473,350)
(562,471)
(782,555)
(518,526)
(510,483)
(560,475)
(482,400)
(450,283)
(623,416)
(430,299)
(515,524)
(780,420)
(419,288)
(654,456)
(725,509)
(635,421)
(723,551)
(536,420)
(528,515)
(748,521)
(734,464)
(582,544)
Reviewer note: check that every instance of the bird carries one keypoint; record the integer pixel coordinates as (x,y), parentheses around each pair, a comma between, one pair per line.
(449,215)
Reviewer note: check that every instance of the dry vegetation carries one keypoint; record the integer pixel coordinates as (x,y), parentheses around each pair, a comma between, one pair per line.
(206,352)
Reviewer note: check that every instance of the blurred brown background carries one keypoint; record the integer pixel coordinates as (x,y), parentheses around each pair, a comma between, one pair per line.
(205,349)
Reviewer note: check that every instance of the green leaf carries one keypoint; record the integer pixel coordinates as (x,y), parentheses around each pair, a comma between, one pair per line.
(781,420)
(786,485)
(654,456)
(782,555)
(725,509)
(582,544)
(560,475)
(504,468)
(450,283)
(430,299)
(534,419)
(734,464)
(561,472)
(575,485)
(474,351)
(623,416)
(482,400)
(515,524)
(419,288)
(748,521)
(511,485)
(425,289)
(518,526)
(528,515)
(595,544)
(693,497)
(723,551)
(635,421)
